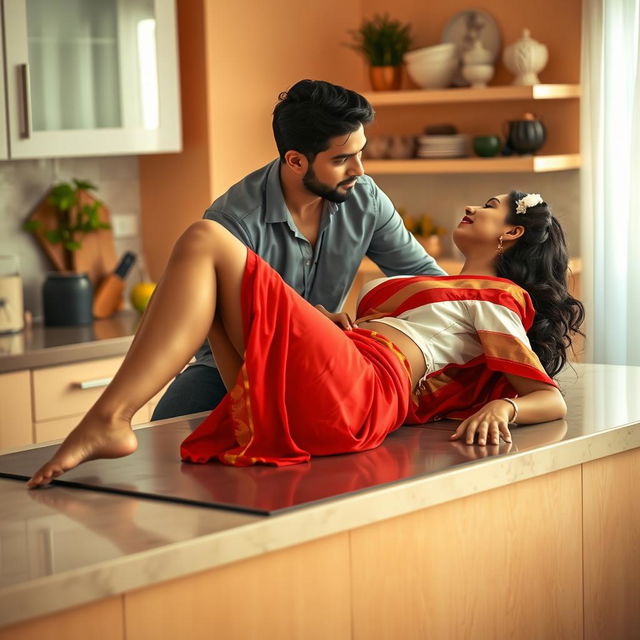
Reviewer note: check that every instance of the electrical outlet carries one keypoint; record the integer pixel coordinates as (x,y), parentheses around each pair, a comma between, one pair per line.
(124,225)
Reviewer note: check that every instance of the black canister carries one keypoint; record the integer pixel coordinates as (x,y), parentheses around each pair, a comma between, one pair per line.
(526,136)
(67,299)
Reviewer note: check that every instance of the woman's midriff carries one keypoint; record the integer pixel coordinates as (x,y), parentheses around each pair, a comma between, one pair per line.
(409,348)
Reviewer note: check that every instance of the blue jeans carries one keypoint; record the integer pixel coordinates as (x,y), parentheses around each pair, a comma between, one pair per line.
(197,388)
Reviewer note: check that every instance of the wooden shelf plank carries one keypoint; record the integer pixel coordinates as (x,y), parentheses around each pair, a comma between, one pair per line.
(487,94)
(533,164)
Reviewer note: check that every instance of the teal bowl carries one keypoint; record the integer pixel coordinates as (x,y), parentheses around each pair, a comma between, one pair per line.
(487,146)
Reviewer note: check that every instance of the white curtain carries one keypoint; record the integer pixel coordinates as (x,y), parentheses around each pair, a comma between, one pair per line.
(610,146)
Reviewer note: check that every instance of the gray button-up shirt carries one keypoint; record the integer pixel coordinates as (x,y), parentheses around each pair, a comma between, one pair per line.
(366,223)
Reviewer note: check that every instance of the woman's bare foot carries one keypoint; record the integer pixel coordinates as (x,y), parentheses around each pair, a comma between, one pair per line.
(93,438)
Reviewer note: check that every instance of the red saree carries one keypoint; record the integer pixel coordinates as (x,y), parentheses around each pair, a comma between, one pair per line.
(306,387)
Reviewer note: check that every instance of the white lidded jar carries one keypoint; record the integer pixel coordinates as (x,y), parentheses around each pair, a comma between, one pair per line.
(11,300)
(525,58)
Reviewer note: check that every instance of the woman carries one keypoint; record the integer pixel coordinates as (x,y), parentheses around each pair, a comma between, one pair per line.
(425,347)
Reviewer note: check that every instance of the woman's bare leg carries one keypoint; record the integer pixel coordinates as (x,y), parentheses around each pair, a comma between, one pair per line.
(228,359)
(202,280)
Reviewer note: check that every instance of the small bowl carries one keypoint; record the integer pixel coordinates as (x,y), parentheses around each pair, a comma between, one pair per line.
(432,76)
(487,146)
(446,49)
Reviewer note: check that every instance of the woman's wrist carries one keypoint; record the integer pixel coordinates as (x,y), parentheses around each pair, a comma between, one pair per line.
(513,404)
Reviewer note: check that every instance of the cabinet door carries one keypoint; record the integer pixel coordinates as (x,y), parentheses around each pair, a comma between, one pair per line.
(91,78)
(15,410)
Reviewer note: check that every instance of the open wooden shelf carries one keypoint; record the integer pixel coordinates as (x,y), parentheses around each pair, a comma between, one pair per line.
(516,164)
(487,94)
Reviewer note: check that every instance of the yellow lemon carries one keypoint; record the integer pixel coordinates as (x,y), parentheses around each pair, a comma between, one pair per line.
(141,294)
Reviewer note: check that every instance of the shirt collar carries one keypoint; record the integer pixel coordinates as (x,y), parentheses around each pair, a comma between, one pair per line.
(276,208)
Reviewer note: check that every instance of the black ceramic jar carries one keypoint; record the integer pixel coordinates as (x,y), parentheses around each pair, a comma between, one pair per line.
(526,136)
(67,299)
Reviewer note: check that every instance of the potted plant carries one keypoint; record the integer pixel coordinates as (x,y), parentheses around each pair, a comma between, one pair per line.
(425,231)
(60,222)
(383,42)
(76,215)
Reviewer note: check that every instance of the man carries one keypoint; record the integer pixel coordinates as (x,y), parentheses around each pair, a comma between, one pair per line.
(312,214)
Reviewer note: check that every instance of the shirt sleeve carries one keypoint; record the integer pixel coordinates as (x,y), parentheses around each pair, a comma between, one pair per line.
(500,330)
(393,248)
(232,224)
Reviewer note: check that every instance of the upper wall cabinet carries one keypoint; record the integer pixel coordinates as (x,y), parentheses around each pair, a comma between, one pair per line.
(90,78)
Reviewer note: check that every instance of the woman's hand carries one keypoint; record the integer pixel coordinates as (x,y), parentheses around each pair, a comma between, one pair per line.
(488,424)
(341,319)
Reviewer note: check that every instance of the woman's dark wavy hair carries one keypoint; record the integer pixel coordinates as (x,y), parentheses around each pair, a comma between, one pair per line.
(539,263)
(312,112)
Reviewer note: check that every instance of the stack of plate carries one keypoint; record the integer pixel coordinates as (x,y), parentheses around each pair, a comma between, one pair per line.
(449,146)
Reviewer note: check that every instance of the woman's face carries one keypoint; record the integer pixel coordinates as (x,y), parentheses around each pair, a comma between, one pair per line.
(483,225)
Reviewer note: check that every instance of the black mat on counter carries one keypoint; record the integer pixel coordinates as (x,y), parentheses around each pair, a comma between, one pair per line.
(155,471)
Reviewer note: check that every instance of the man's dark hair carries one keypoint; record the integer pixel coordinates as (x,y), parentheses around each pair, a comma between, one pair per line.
(312,112)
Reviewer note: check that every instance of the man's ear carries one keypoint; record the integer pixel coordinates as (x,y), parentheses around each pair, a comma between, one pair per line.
(515,232)
(297,162)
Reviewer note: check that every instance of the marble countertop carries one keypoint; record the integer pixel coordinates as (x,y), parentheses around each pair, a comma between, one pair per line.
(62,547)
(40,346)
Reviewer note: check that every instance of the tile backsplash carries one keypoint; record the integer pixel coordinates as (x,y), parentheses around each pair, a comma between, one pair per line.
(23,183)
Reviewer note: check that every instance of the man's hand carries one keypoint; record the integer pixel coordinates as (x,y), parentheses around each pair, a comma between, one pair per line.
(341,319)
(489,423)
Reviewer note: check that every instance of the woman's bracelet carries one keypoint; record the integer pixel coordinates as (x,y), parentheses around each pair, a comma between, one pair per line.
(515,409)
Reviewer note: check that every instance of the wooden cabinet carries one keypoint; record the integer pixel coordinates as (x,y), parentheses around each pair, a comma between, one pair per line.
(101,79)
(15,410)
(46,404)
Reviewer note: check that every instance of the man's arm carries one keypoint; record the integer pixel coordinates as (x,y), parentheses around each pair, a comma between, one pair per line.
(393,248)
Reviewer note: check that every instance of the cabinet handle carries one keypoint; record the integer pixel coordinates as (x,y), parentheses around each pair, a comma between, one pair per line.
(93,384)
(25,82)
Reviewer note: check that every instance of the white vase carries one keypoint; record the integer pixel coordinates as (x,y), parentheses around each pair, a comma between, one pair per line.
(477,75)
(525,58)
(477,54)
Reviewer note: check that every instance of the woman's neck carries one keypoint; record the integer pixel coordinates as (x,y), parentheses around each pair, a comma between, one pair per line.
(478,266)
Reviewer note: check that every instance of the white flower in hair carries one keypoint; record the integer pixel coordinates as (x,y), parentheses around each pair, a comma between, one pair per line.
(530,200)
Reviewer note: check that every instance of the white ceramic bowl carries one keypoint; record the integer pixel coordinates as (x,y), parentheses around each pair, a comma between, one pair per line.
(428,75)
(444,50)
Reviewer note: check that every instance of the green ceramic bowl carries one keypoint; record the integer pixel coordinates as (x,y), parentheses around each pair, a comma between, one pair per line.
(487,146)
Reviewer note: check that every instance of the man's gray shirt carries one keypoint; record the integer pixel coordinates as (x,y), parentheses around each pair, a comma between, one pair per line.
(366,224)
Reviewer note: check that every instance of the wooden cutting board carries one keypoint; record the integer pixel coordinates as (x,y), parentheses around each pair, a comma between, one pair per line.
(97,256)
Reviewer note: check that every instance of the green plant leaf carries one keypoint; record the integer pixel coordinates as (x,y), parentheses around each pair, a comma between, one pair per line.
(32,225)
(84,185)
(382,41)
(53,236)
(72,245)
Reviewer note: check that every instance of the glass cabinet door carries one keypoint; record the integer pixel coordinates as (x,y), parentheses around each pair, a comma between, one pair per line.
(91,77)
(4,149)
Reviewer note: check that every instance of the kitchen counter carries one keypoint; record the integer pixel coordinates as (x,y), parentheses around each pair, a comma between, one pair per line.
(41,346)
(64,547)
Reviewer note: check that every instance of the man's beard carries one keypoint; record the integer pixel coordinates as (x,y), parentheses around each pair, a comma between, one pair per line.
(323,190)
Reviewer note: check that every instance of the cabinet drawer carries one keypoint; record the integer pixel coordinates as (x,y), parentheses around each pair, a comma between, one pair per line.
(58,429)
(57,391)
(15,409)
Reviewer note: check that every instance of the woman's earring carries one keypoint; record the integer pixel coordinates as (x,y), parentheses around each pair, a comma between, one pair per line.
(500,246)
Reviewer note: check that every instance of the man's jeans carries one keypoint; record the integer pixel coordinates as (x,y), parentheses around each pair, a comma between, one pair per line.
(197,388)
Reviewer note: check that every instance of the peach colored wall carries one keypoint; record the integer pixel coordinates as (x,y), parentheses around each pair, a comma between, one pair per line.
(236,57)
(175,188)
(258,49)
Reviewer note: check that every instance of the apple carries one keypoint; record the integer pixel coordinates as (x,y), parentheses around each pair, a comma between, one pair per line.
(141,294)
